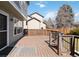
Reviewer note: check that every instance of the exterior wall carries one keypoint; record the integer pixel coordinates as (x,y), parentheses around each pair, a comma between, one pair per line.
(7,30)
(33,24)
(37,17)
(21,6)
(14,12)
(13,38)
(23,11)
(43,25)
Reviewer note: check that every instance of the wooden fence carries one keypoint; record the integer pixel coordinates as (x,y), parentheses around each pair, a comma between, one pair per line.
(45,32)
(34,32)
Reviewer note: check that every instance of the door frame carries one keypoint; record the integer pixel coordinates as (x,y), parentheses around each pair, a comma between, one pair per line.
(6,14)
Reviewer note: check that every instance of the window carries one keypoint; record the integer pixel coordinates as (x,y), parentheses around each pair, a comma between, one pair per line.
(3,30)
(17,26)
(3,22)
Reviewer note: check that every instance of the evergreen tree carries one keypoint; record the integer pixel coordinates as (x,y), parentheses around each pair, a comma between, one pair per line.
(65,17)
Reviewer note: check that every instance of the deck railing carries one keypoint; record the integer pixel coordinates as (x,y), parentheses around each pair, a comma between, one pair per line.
(65,43)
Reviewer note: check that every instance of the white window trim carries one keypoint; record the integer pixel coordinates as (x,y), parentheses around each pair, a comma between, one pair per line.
(14,28)
(6,14)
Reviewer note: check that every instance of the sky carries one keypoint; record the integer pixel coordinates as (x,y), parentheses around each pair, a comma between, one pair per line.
(49,9)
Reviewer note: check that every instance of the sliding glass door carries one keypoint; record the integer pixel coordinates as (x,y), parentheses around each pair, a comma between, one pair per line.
(3,31)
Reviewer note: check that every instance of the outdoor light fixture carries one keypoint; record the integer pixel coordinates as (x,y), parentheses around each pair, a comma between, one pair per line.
(11,19)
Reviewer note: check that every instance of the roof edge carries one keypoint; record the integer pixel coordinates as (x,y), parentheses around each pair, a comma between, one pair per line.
(33,18)
(36,13)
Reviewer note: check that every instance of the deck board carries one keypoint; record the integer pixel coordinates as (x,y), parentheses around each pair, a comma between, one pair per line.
(32,46)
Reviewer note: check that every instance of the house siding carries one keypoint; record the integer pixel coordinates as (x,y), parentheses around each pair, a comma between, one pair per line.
(13,38)
(13,12)
(43,25)
(33,24)
(37,17)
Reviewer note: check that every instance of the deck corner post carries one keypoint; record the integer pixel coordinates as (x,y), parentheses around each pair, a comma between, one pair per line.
(72,45)
(60,44)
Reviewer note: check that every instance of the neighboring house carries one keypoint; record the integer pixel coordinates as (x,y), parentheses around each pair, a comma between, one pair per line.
(24,24)
(12,14)
(29,17)
(37,16)
(43,25)
(35,21)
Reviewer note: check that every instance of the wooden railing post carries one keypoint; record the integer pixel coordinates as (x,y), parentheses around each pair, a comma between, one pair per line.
(50,36)
(72,45)
(60,44)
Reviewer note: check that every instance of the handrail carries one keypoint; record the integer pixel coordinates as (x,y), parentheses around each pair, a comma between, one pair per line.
(72,41)
(70,35)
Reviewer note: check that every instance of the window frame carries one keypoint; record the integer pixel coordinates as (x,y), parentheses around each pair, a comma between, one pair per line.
(14,27)
(7,15)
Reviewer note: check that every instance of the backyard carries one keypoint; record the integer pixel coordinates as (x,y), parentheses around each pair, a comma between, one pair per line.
(39,29)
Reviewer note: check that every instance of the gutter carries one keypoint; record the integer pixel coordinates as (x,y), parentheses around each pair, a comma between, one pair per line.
(15,6)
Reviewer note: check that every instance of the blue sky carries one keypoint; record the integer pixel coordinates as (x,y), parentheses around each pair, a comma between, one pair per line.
(50,8)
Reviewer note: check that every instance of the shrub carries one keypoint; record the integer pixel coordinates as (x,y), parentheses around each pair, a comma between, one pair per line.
(74,31)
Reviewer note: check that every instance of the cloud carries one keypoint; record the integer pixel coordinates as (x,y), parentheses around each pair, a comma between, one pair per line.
(51,14)
(41,5)
(76,16)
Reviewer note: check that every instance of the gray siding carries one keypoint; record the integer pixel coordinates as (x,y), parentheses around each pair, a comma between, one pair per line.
(10,8)
(13,38)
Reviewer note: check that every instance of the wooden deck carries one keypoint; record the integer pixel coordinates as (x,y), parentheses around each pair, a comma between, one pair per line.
(32,46)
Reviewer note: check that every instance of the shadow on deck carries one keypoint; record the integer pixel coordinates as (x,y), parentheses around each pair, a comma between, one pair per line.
(8,49)
(54,48)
